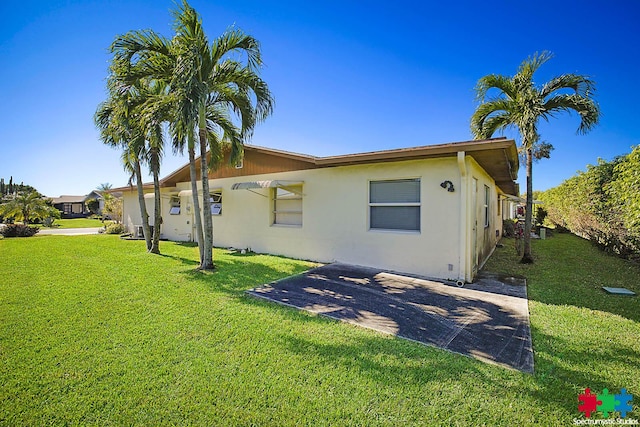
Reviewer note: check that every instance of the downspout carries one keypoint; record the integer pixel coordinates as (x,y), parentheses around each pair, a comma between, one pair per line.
(463,226)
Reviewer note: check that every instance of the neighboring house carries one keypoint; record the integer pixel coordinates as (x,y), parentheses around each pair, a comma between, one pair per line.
(75,206)
(434,211)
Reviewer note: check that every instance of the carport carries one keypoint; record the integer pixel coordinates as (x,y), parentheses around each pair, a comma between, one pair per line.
(487,320)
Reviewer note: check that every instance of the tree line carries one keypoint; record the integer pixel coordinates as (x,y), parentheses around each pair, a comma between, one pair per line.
(601,204)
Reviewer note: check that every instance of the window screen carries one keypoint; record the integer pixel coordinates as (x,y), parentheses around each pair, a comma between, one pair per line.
(216,203)
(175,205)
(394,205)
(287,205)
(487,202)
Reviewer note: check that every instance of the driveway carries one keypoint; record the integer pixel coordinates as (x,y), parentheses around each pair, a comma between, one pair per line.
(68,231)
(487,320)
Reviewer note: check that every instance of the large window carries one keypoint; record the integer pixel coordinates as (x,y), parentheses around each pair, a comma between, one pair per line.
(287,205)
(394,205)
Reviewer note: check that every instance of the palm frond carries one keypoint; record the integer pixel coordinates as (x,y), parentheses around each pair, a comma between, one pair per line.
(495,81)
(587,109)
(582,85)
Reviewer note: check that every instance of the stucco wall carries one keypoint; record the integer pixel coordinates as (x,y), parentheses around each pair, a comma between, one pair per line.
(336,217)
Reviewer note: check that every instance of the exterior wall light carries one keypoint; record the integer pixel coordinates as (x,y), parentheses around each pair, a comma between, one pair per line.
(448,185)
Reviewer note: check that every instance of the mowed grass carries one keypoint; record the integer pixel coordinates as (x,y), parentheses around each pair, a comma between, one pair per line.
(77,223)
(95,331)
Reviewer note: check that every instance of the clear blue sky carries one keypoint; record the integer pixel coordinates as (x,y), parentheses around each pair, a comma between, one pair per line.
(347,76)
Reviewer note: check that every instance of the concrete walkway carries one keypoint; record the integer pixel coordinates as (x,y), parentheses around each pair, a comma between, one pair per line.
(487,320)
(68,231)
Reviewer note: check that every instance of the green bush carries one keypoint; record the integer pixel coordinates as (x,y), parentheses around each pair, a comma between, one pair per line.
(18,230)
(601,204)
(114,229)
(508,228)
(48,222)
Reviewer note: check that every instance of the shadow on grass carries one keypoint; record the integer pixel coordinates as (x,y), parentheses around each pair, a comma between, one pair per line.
(561,371)
(235,274)
(569,270)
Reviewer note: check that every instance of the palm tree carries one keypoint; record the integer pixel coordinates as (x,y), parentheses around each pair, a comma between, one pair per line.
(27,206)
(520,104)
(116,122)
(152,113)
(210,87)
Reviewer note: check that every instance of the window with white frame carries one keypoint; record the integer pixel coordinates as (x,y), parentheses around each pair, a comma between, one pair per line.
(174,204)
(394,205)
(287,205)
(216,202)
(487,203)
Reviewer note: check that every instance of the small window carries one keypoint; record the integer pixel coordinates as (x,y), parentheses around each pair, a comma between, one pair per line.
(216,203)
(174,204)
(394,205)
(240,164)
(287,205)
(487,203)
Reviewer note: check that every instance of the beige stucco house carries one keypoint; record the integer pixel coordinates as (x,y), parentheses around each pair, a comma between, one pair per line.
(434,211)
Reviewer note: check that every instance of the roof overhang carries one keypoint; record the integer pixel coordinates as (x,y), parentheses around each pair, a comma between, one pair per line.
(497,156)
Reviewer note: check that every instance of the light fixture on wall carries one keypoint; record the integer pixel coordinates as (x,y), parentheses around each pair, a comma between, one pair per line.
(448,185)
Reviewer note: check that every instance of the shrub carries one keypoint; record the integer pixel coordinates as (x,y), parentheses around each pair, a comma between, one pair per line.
(508,228)
(114,229)
(48,222)
(18,230)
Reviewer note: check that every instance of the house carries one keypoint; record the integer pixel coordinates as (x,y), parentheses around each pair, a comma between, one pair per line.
(434,211)
(75,206)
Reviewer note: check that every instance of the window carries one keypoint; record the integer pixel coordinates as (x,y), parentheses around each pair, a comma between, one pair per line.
(487,203)
(174,202)
(216,203)
(394,205)
(287,205)
(240,164)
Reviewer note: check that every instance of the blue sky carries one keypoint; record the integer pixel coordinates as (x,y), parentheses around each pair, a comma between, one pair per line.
(347,76)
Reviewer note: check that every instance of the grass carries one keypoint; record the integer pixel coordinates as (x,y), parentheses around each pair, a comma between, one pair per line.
(94,331)
(77,223)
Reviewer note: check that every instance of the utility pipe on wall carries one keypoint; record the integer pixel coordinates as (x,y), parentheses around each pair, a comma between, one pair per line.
(463,250)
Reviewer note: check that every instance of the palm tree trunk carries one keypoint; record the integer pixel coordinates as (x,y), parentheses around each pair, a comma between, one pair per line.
(527,258)
(207,261)
(143,206)
(196,201)
(157,218)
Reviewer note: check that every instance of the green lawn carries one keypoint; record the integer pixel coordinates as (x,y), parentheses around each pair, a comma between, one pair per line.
(76,223)
(94,331)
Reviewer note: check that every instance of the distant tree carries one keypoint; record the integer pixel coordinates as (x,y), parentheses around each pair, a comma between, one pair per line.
(28,206)
(520,104)
(105,186)
(93,205)
(113,208)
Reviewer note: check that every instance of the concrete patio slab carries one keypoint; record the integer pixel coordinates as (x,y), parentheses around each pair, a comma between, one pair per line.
(487,320)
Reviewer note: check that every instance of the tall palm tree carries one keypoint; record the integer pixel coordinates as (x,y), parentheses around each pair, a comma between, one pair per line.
(116,122)
(520,104)
(212,89)
(154,110)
